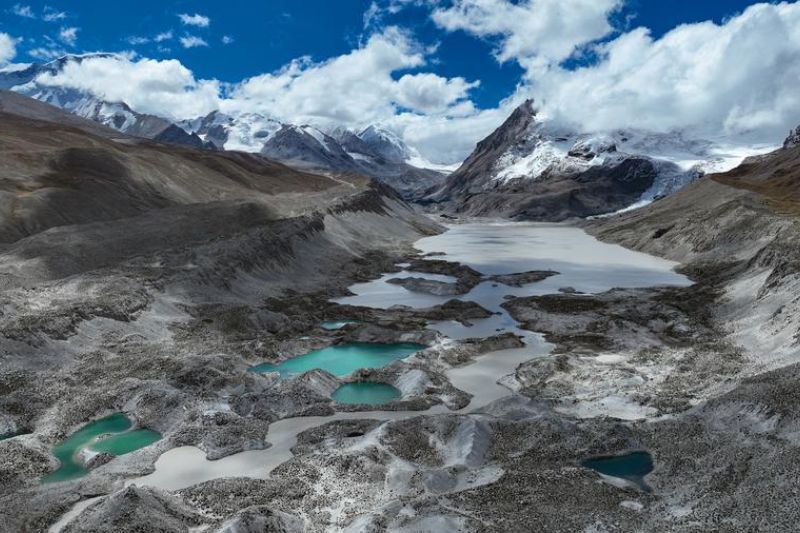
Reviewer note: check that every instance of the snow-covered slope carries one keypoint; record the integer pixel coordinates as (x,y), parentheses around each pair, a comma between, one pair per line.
(385,144)
(247,132)
(306,146)
(530,168)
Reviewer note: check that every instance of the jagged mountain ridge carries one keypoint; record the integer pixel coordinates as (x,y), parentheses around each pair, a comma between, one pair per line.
(374,151)
(534,169)
(117,115)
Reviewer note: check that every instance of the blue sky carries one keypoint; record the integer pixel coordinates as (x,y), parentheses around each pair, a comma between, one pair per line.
(470,61)
(268,34)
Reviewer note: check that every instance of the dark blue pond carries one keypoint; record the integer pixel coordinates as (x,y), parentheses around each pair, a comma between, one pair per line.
(631,467)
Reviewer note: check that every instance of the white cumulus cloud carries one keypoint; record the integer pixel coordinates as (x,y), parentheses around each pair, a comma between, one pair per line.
(430,93)
(355,88)
(193,41)
(740,77)
(8,48)
(541,31)
(68,35)
(201,21)
(164,88)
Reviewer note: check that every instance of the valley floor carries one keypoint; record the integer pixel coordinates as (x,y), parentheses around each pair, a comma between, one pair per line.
(597,351)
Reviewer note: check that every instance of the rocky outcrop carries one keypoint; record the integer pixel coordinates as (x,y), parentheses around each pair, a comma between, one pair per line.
(430,286)
(523,278)
(793,139)
(136,509)
(262,519)
(464,352)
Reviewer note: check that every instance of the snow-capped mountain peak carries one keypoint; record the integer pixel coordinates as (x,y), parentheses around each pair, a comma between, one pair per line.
(385,143)
(532,167)
(246,132)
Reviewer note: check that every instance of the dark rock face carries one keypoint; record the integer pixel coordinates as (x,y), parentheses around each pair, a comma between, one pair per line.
(175,135)
(524,278)
(556,198)
(476,170)
(296,146)
(793,139)
(429,286)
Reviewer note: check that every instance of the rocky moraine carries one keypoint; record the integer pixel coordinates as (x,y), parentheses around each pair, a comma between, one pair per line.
(211,341)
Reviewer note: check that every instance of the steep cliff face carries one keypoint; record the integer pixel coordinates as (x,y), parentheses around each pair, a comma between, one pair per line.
(476,172)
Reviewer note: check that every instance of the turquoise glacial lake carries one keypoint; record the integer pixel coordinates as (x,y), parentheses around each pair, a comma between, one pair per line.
(111,434)
(342,359)
(366,393)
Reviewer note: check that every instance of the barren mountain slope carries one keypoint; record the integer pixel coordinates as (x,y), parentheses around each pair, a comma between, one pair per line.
(132,271)
(740,230)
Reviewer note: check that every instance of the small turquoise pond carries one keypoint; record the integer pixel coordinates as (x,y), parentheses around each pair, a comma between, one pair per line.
(632,467)
(342,359)
(366,393)
(107,435)
(333,325)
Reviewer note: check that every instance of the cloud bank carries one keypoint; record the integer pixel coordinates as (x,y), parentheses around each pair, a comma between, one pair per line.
(738,78)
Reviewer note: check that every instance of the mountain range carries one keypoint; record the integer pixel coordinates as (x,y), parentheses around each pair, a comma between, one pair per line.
(374,151)
(530,168)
